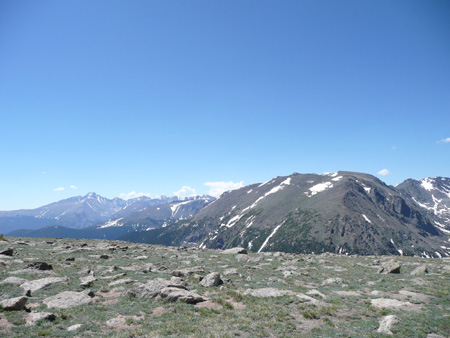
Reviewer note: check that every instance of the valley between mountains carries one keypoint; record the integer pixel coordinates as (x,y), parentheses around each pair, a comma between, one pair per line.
(342,213)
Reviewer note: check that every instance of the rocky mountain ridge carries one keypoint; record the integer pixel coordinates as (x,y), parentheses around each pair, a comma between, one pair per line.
(82,212)
(342,212)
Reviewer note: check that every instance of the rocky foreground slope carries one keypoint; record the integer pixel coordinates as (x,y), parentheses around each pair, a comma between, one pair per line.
(86,288)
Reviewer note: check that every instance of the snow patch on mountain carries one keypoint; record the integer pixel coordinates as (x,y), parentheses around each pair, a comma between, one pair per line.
(113,223)
(318,188)
(269,237)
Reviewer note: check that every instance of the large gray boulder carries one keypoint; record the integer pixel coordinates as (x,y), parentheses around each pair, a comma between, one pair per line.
(212,279)
(391,266)
(14,304)
(68,299)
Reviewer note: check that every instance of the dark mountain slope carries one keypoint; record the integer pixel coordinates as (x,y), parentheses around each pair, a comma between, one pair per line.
(343,212)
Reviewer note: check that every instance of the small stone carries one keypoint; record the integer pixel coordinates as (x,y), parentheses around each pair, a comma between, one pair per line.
(386,324)
(268,292)
(43,266)
(14,304)
(14,280)
(7,252)
(104,256)
(420,270)
(35,317)
(237,250)
(333,281)
(173,294)
(74,327)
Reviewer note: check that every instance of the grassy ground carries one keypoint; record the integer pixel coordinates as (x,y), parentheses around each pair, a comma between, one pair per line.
(339,309)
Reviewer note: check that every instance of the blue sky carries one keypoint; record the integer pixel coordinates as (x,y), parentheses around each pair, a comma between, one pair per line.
(152,96)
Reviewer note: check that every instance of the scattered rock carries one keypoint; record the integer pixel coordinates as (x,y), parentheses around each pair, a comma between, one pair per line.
(434,335)
(70,259)
(68,299)
(188,271)
(159,311)
(394,304)
(268,292)
(34,285)
(87,281)
(14,280)
(173,294)
(74,327)
(333,281)
(386,324)
(121,281)
(14,304)
(237,250)
(212,279)
(209,305)
(151,288)
(35,317)
(104,256)
(43,266)
(391,266)
(7,252)
(420,270)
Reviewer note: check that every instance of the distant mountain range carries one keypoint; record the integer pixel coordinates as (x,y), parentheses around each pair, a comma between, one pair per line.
(88,213)
(343,212)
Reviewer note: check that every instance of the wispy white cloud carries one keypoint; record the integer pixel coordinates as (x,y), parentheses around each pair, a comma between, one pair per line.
(445,140)
(393,147)
(44,172)
(217,188)
(185,191)
(59,189)
(73,187)
(133,194)
(384,172)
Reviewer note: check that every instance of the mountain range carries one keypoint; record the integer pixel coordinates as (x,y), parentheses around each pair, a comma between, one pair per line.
(342,212)
(94,216)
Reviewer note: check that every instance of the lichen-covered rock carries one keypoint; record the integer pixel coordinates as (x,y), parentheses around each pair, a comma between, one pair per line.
(34,285)
(68,299)
(151,288)
(391,266)
(386,324)
(173,294)
(14,304)
(237,250)
(420,270)
(212,279)
(268,292)
(34,317)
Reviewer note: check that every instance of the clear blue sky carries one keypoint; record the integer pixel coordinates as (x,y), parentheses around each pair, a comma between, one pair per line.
(150,96)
